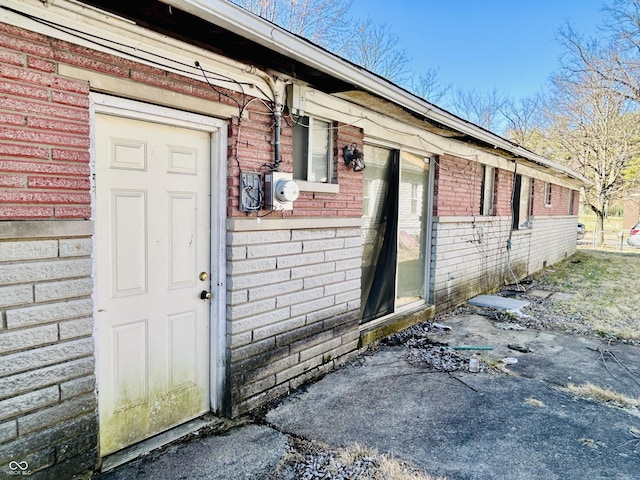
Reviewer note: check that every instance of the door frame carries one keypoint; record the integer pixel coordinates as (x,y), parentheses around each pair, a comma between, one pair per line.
(120,107)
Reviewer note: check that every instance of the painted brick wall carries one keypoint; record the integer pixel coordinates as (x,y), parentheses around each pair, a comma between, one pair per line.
(293,308)
(469,258)
(47,400)
(457,187)
(252,140)
(503,192)
(44,132)
(469,255)
(458,191)
(559,199)
(472,257)
(553,239)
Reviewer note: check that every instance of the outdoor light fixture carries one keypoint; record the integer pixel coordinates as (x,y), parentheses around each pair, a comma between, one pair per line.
(353,157)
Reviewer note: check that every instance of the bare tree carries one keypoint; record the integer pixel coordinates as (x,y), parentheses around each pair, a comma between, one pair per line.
(427,85)
(321,21)
(327,23)
(596,131)
(525,121)
(376,48)
(614,55)
(483,109)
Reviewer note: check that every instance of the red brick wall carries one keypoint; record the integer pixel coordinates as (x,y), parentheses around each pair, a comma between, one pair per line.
(347,203)
(457,187)
(630,213)
(576,202)
(44,132)
(559,200)
(504,189)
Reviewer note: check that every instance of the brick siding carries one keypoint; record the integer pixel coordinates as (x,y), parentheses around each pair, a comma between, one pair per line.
(293,293)
(44,132)
(457,186)
(47,399)
(293,308)
(471,257)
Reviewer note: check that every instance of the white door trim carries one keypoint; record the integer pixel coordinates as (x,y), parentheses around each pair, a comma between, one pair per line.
(121,107)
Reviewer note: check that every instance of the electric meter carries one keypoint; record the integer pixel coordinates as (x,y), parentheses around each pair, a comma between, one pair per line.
(280,191)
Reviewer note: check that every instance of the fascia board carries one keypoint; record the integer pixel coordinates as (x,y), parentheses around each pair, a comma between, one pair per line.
(237,20)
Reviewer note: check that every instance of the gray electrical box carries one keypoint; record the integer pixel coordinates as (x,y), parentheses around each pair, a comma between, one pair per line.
(250,194)
(296,99)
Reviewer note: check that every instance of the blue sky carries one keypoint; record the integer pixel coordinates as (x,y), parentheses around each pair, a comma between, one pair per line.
(510,45)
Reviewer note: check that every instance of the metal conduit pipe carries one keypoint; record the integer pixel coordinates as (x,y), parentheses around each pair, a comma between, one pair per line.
(277,88)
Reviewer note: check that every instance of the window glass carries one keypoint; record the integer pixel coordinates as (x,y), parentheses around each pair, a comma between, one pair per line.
(320,149)
(487,192)
(521,203)
(547,193)
(571,194)
(412,227)
(379,231)
(300,148)
(312,152)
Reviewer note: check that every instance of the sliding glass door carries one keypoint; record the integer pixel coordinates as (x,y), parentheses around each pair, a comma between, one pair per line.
(412,228)
(395,221)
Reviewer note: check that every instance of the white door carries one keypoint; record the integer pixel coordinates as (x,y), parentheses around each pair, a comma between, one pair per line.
(153,248)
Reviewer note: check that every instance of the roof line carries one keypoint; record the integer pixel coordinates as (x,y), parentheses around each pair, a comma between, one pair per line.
(242,22)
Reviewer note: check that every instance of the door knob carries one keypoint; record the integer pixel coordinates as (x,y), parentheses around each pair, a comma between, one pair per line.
(204,295)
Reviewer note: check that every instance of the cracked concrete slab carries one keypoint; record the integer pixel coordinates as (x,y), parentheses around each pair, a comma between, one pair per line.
(497,302)
(479,426)
(561,297)
(542,294)
(466,426)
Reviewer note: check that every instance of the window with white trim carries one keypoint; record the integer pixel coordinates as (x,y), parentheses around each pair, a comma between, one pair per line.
(571,196)
(312,150)
(547,194)
(521,205)
(487,190)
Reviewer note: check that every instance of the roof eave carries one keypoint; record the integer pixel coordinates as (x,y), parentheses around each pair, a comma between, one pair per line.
(238,20)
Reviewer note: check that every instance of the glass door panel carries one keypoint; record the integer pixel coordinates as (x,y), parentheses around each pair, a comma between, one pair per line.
(412,228)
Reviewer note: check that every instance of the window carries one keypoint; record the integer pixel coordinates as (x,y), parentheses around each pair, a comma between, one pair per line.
(487,190)
(312,152)
(412,229)
(521,206)
(571,196)
(547,194)
(416,191)
(366,199)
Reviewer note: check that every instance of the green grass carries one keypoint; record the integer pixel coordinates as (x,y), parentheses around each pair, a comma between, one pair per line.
(605,286)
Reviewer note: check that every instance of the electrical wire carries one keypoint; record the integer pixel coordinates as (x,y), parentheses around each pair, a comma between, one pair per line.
(124,48)
(241,107)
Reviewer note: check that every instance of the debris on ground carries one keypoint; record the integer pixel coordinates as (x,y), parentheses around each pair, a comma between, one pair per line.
(635,433)
(519,348)
(440,326)
(429,353)
(438,357)
(510,326)
(306,460)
